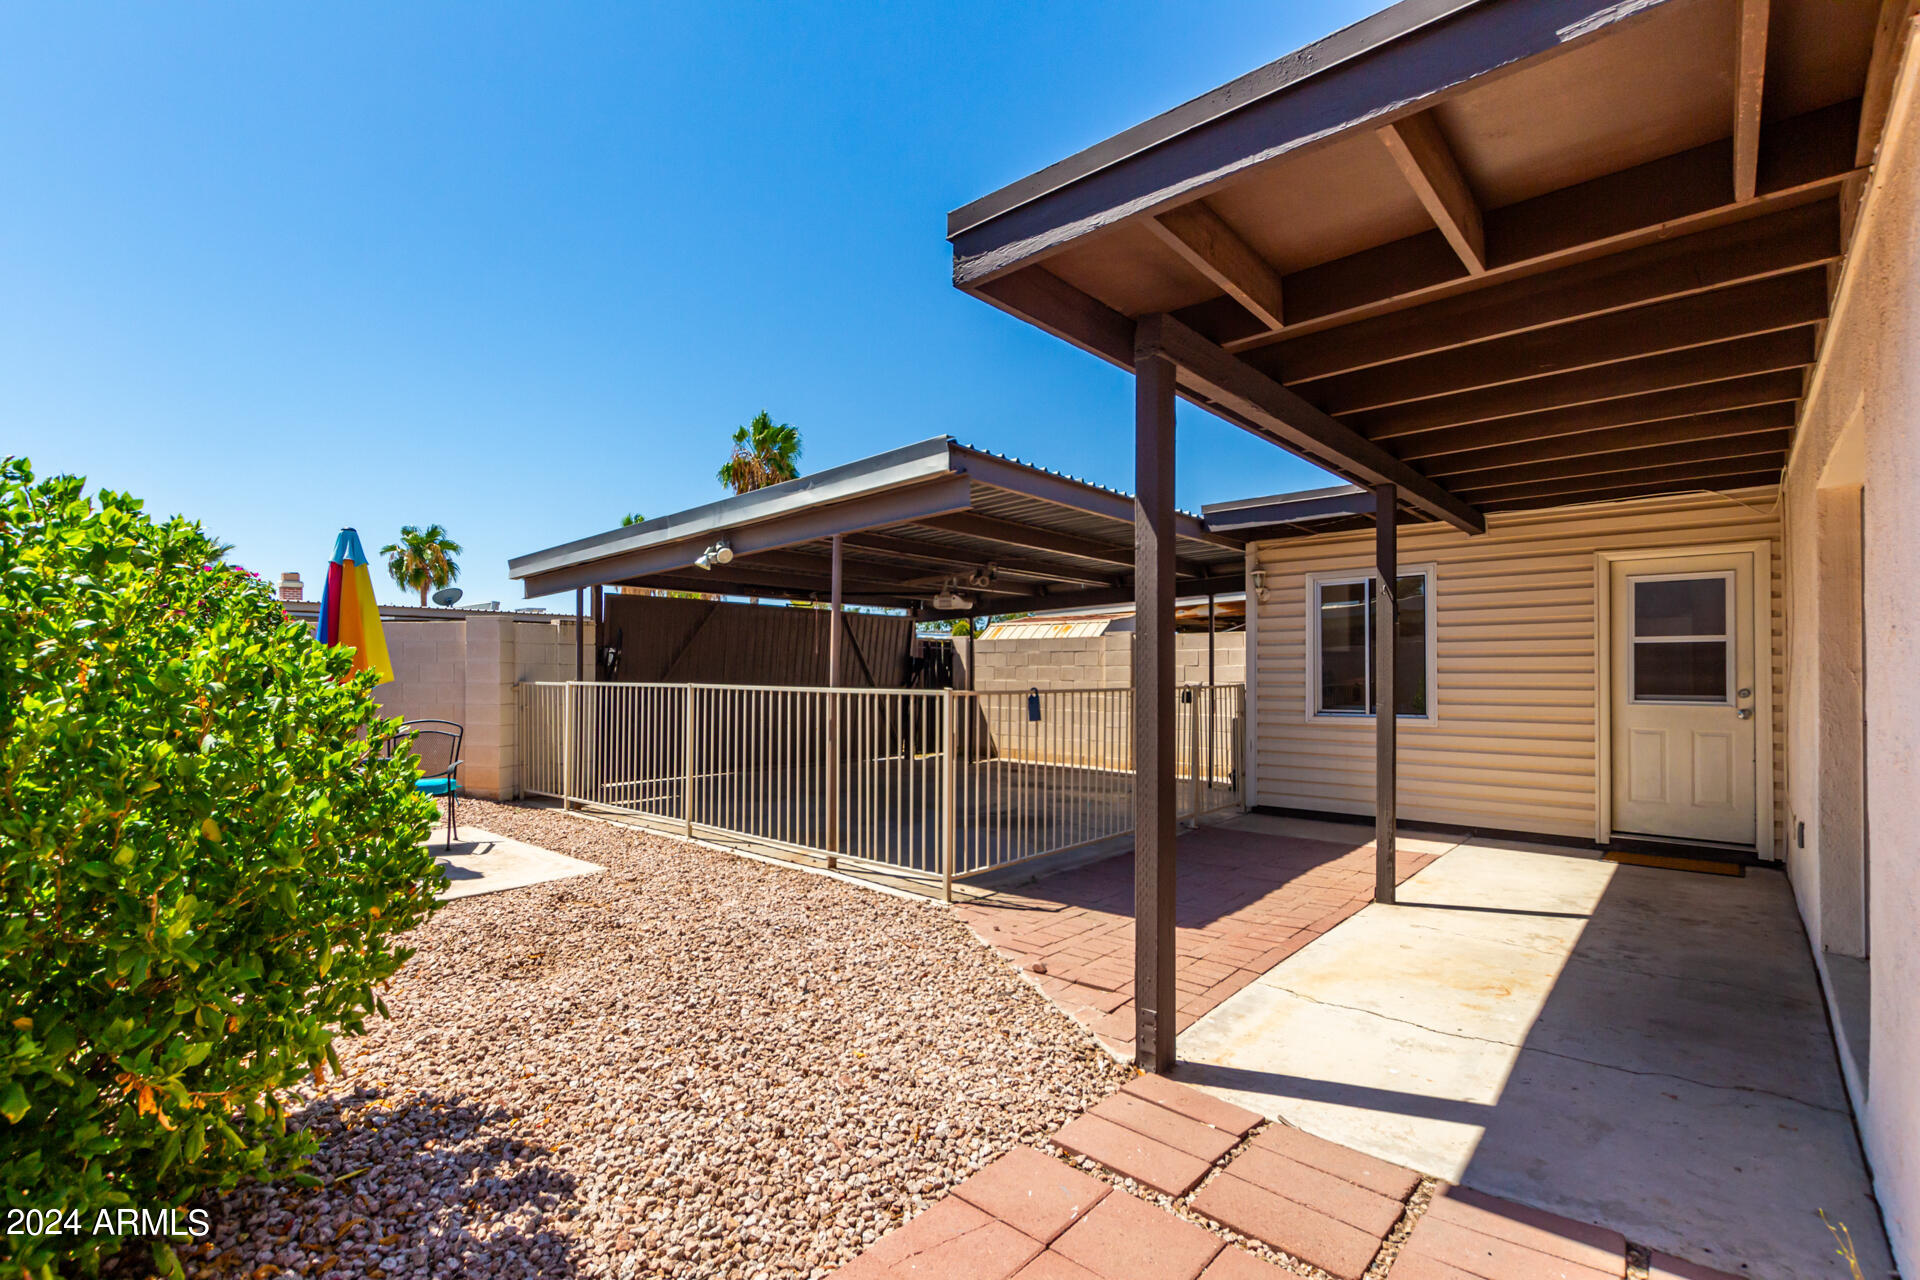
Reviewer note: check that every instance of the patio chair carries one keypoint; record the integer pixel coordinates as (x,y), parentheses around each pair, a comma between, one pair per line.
(437,744)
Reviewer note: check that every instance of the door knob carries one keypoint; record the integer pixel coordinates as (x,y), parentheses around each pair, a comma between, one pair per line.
(1745,713)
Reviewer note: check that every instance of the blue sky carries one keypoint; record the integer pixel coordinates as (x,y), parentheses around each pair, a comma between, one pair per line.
(521,269)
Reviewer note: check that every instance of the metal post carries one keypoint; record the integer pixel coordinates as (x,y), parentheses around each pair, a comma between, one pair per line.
(1212,695)
(834,624)
(579,634)
(1154,797)
(566,747)
(686,763)
(1386,631)
(949,775)
(599,614)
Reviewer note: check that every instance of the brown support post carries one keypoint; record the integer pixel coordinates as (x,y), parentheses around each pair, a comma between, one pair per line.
(599,625)
(1386,630)
(579,634)
(834,625)
(1154,800)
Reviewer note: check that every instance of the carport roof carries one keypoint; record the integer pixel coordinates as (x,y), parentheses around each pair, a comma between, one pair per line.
(912,521)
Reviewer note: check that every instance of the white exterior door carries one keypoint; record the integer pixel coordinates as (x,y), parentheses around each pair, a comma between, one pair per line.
(1684,665)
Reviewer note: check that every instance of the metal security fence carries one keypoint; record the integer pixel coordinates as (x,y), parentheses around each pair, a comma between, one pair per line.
(934,784)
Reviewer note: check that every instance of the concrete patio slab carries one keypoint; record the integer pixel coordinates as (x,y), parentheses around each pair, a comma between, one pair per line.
(1620,1045)
(482,862)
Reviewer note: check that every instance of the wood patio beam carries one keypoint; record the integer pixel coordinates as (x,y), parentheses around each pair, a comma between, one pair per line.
(962,562)
(1090,599)
(1214,249)
(1282,416)
(1746,448)
(1386,706)
(1738,311)
(1760,420)
(1746,371)
(1749,80)
(1034,538)
(1689,476)
(1772,244)
(1802,159)
(1646,489)
(1420,150)
(1771,392)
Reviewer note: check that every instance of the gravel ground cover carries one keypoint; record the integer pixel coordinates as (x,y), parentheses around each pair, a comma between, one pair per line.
(691,1064)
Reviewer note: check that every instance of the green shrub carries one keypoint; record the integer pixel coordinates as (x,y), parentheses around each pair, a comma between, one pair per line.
(205,866)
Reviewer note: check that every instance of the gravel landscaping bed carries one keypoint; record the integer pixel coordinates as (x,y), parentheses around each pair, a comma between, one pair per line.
(690,1064)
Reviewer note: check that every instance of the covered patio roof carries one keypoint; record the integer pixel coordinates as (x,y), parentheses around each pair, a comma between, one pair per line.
(1473,256)
(1501,254)
(910,523)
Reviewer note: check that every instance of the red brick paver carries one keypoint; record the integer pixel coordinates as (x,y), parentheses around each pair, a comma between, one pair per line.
(1036,1195)
(1128,1239)
(1247,901)
(1195,1105)
(1130,1154)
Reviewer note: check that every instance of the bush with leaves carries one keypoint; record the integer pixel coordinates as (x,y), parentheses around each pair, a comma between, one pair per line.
(206,861)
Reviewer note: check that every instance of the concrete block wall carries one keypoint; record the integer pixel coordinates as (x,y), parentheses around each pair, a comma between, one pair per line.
(468,670)
(430,671)
(1097,662)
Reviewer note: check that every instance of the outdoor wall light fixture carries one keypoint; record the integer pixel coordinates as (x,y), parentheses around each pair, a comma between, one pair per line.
(1259,582)
(718,553)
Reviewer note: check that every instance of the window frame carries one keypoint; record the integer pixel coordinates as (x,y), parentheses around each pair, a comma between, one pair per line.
(1316,579)
(1730,639)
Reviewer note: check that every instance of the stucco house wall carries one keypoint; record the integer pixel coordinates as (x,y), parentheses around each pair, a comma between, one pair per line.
(1852,516)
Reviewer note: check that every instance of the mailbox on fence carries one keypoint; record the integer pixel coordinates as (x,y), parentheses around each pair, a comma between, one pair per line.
(1033,703)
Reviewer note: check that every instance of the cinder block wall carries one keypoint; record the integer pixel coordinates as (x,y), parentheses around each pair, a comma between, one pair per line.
(466,670)
(1096,662)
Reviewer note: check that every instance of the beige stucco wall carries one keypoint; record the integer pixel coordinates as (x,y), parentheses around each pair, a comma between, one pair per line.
(1513,743)
(1861,426)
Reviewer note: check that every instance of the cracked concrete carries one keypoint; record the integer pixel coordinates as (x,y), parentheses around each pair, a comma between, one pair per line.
(1641,1049)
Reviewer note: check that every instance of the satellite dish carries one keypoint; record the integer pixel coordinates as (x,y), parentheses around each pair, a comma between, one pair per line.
(447,595)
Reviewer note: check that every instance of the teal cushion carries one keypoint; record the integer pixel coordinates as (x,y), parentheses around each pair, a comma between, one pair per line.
(436,786)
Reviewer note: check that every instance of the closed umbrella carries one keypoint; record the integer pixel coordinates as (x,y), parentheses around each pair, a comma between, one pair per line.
(348,615)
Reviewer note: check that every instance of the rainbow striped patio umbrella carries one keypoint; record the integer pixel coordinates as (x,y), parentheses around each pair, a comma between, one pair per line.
(348,615)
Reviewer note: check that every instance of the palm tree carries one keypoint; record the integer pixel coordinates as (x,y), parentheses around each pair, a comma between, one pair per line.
(423,559)
(764,453)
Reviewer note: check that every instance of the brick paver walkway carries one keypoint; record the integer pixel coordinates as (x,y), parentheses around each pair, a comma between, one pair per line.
(1247,901)
(1030,1216)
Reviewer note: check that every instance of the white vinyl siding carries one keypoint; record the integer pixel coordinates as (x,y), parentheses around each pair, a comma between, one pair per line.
(1511,744)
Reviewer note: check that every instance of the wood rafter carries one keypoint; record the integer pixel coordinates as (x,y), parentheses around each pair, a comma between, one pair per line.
(1428,164)
(1673,476)
(1641,435)
(1670,453)
(1762,306)
(1620,386)
(1216,251)
(1607,492)
(1771,244)
(1749,80)
(1766,404)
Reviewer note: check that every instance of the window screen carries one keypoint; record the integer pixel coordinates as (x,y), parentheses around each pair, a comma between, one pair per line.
(1682,648)
(1345,613)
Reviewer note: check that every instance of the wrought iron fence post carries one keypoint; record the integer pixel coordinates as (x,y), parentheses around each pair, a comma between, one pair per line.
(949,775)
(566,749)
(1193,755)
(686,764)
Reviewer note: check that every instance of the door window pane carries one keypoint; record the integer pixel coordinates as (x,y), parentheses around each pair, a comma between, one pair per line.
(1680,671)
(1343,647)
(1680,607)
